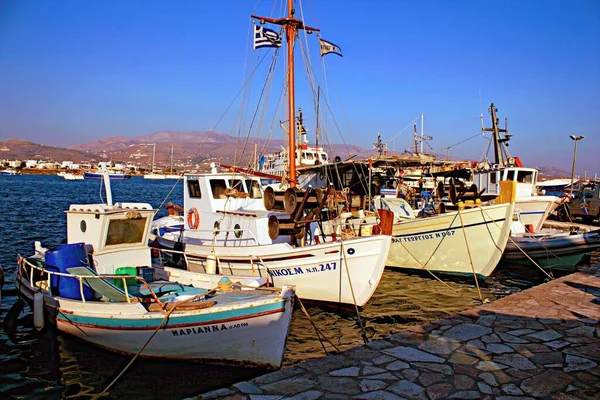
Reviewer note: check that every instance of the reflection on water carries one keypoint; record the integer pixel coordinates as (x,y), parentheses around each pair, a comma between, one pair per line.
(50,365)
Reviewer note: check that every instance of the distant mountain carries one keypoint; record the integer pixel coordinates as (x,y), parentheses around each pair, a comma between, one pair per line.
(17,149)
(188,147)
(549,172)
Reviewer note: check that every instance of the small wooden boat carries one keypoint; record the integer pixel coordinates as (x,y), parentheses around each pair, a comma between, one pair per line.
(103,288)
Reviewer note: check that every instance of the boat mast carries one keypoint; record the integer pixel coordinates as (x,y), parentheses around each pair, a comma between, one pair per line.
(171,159)
(291,25)
(498,157)
(317,128)
(153,155)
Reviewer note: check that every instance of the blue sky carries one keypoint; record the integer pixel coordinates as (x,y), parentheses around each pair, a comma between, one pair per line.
(72,71)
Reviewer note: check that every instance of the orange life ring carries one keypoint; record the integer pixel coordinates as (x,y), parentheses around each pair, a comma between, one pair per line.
(193,218)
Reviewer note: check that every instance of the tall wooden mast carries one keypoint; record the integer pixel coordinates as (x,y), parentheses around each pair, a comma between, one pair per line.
(291,26)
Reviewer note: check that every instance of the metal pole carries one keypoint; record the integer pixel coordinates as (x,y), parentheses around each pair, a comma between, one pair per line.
(576,139)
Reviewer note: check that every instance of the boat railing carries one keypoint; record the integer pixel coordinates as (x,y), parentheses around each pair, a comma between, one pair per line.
(245,235)
(104,277)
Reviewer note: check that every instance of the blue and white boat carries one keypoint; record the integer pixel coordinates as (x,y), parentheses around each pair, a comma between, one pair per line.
(103,288)
(112,175)
(8,172)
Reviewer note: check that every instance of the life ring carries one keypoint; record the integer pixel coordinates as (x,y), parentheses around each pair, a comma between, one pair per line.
(193,218)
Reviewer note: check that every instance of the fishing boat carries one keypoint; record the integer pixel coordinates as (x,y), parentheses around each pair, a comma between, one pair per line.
(550,249)
(113,176)
(235,227)
(8,172)
(465,242)
(277,163)
(229,231)
(103,287)
(69,176)
(533,208)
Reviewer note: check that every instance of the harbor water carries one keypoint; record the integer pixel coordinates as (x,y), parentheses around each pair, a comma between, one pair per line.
(51,365)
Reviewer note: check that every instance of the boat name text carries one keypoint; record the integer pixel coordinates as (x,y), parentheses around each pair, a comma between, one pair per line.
(207,329)
(428,236)
(299,270)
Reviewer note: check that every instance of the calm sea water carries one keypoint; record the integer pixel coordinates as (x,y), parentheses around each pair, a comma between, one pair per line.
(51,365)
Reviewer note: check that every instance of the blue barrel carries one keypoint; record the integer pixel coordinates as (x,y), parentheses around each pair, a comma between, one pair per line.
(62,258)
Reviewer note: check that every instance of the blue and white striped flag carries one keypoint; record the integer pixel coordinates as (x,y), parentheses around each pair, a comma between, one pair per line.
(328,47)
(264,37)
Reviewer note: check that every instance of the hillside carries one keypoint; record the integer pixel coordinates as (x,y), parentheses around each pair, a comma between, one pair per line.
(188,147)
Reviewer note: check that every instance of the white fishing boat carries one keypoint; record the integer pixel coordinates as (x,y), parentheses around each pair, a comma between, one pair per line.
(235,228)
(229,231)
(102,287)
(69,176)
(533,208)
(8,172)
(551,249)
(467,242)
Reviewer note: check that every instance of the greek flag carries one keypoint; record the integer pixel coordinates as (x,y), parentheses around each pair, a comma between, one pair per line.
(328,47)
(264,37)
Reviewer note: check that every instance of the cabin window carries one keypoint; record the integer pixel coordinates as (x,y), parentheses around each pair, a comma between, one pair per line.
(194,188)
(525,176)
(237,185)
(253,189)
(510,175)
(218,186)
(237,230)
(123,231)
(217,227)
(83,226)
(324,157)
(493,178)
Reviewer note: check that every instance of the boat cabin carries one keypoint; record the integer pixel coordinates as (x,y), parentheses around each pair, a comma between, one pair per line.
(115,236)
(227,207)
(488,179)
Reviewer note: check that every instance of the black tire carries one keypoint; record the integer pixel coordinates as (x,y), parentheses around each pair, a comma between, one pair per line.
(563,214)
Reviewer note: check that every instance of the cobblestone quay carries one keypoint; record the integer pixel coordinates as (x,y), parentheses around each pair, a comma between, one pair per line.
(540,343)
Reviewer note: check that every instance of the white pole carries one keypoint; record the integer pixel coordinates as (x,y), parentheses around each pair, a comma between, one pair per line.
(106,178)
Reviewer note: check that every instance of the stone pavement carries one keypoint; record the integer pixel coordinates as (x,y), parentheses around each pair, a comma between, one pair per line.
(540,343)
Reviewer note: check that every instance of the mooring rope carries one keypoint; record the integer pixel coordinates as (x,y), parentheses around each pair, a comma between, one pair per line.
(362,328)
(146,344)
(319,333)
(462,225)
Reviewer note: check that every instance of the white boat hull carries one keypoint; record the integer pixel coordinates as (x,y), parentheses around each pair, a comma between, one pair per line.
(535,209)
(467,242)
(345,272)
(244,332)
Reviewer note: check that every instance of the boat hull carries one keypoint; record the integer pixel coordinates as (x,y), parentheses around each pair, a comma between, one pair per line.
(560,251)
(114,177)
(535,209)
(468,242)
(345,272)
(247,333)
